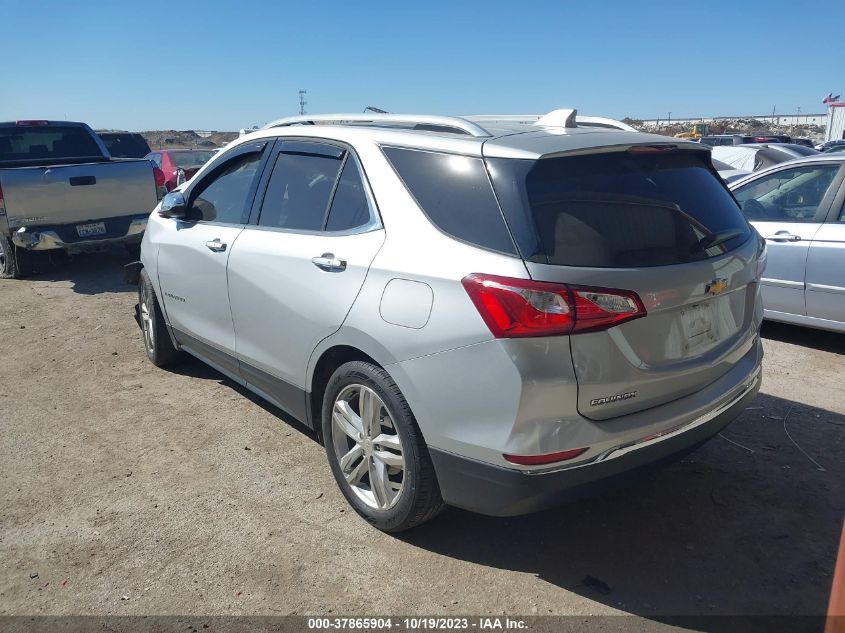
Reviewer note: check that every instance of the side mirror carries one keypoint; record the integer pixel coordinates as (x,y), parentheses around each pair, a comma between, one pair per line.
(174,205)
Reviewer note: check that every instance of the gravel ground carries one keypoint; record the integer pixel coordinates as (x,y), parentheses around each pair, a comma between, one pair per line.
(125,489)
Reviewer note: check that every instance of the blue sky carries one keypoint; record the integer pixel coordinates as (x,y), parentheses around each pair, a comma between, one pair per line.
(225,65)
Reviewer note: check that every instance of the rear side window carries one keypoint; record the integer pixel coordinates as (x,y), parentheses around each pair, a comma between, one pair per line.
(620,210)
(299,191)
(350,208)
(46,142)
(455,194)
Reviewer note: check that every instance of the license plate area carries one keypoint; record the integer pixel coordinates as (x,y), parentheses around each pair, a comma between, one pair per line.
(699,327)
(91,229)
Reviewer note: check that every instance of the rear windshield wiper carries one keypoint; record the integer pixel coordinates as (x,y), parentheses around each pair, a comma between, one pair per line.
(714,239)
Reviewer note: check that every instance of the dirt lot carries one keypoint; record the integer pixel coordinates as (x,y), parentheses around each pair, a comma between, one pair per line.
(132,490)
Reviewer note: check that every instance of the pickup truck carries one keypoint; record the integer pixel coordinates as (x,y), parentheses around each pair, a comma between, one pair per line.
(60,189)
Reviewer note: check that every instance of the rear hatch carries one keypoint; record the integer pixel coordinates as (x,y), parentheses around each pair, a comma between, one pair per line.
(653,220)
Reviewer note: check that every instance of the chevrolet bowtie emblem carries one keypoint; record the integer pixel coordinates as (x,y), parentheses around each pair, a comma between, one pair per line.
(717,286)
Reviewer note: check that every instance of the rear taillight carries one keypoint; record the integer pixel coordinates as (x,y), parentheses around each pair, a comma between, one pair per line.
(159,177)
(516,308)
(548,458)
(31,122)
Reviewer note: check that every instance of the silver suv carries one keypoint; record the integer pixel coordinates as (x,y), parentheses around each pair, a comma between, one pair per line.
(498,318)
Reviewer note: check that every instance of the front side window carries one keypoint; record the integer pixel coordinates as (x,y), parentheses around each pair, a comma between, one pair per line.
(299,190)
(226,197)
(789,195)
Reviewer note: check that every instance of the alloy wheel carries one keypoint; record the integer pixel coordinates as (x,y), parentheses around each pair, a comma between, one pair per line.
(146,308)
(368,447)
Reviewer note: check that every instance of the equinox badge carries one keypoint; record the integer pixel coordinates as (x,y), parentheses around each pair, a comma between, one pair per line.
(608,399)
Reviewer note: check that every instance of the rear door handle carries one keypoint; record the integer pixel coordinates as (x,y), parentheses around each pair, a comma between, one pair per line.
(329,263)
(216,245)
(784,236)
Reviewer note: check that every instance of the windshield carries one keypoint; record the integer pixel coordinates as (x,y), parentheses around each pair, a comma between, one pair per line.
(47,143)
(615,210)
(190,159)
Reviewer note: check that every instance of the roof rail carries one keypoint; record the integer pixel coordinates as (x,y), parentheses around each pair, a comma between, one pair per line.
(414,121)
(537,119)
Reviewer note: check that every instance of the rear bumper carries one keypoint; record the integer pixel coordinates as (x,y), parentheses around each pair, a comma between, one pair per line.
(498,491)
(119,230)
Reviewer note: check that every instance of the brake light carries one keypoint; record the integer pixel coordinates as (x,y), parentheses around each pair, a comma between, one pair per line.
(158,175)
(31,122)
(517,308)
(549,458)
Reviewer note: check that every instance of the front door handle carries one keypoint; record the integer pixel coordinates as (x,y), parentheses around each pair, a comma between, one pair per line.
(329,263)
(216,245)
(784,236)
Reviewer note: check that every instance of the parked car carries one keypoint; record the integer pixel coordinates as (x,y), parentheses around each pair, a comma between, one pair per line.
(728,173)
(803,141)
(59,189)
(794,150)
(359,273)
(125,144)
(833,149)
(715,140)
(179,165)
(750,157)
(823,147)
(798,207)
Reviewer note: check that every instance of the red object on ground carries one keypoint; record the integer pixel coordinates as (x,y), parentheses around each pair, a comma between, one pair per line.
(836,608)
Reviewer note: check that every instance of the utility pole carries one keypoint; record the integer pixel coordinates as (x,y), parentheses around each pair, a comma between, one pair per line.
(669,120)
(302,101)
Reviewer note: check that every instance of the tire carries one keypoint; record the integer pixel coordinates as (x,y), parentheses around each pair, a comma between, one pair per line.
(403,497)
(157,342)
(15,262)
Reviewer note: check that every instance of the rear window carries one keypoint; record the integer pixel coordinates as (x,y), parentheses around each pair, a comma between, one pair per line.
(454,192)
(190,159)
(46,142)
(619,210)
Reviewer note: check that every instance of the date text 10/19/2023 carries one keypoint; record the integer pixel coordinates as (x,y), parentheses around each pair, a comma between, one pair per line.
(419,623)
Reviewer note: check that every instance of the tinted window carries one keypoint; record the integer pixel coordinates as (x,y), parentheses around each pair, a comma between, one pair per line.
(454,192)
(47,142)
(225,199)
(125,145)
(299,190)
(620,210)
(350,208)
(791,195)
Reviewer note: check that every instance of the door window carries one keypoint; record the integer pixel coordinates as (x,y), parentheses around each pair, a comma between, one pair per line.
(226,196)
(789,195)
(299,190)
(350,208)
